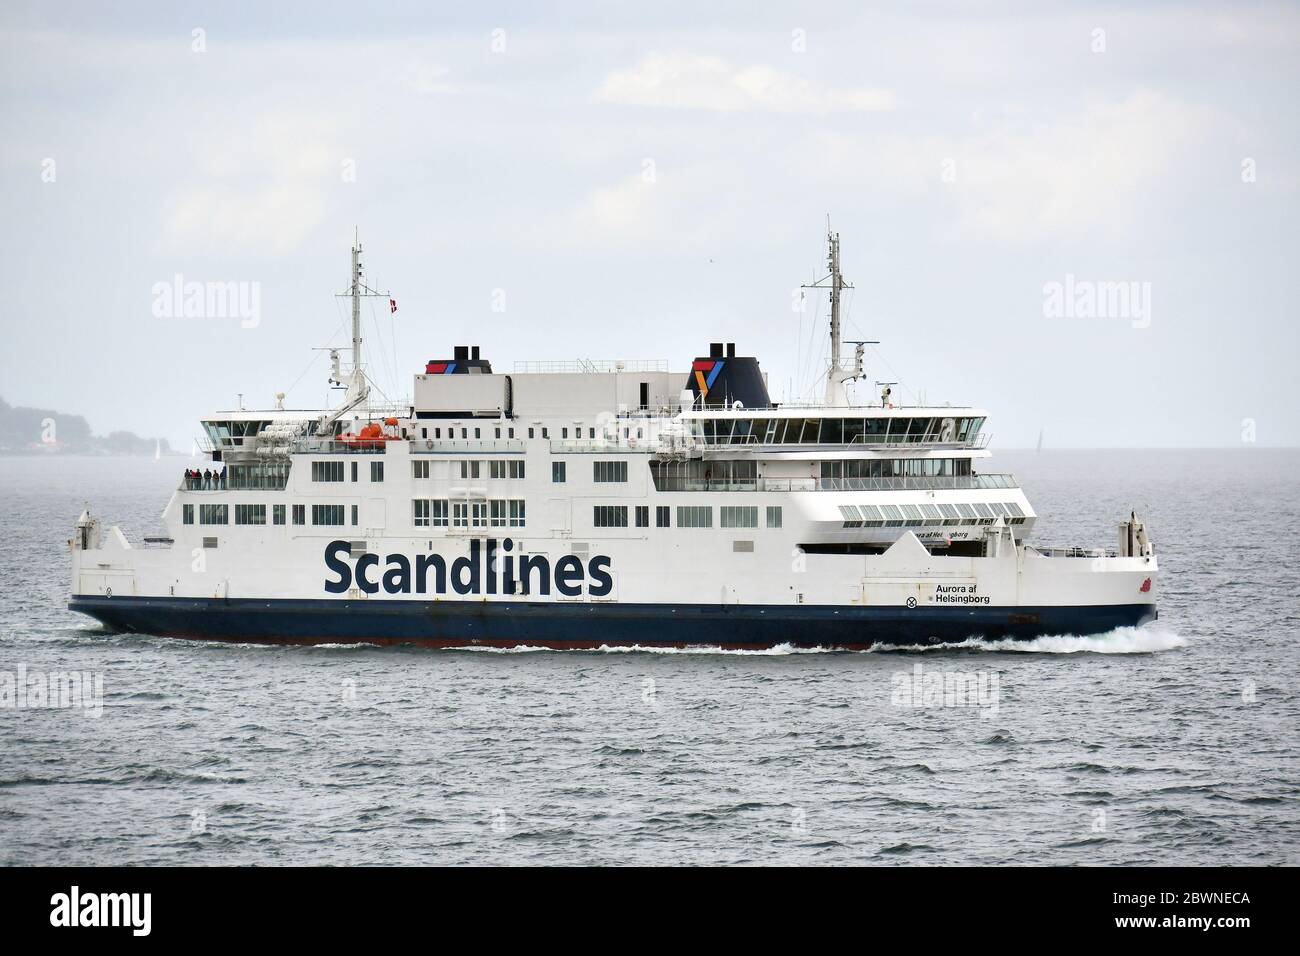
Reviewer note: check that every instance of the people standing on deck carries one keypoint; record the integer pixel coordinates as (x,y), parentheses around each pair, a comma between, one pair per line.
(223,477)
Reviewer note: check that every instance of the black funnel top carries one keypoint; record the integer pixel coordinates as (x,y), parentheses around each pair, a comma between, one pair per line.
(723,379)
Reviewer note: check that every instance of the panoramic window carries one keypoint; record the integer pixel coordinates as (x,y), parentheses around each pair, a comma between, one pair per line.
(250,514)
(327,471)
(739,516)
(605,471)
(213,514)
(694,516)
(327,514)
(609,516)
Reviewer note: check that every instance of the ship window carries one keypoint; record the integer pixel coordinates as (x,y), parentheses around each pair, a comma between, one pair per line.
(663,517)
(871,517)
(326,514)
(516,513)
(354,514)
(469,469)
(419,469)
(214,514)
(438,512)
(420,512)
(516,469)
(376,471)
(546,433)
(1000,510)
(497,515)
(832,431)
(1015,510)
(437,433)
(609,516)
(478,514)
(609,471)
(460,514)
(250,514)
(850,515)
(299,514)
(354,471)
(464,433)
(774,516)
(643,516)
(496,469)
(739,516)
(327,470)
(591,433)
(424,433)
(893,516)
(187,514)
(564,432)
(209,542)
(694,516)
(932,517)
(557,472)
(913,515)
(530,433)
(498,433)
(966,511)
(477,433)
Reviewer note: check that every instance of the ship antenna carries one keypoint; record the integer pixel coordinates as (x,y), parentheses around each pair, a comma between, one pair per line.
(358,388)
(836,282)
(355,290)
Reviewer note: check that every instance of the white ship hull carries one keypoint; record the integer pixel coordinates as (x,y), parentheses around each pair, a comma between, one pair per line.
(603,504)
(659,593)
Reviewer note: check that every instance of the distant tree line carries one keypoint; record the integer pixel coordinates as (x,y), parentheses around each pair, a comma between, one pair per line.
(43,430)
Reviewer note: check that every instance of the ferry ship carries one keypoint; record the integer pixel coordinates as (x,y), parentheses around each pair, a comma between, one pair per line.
(599,504)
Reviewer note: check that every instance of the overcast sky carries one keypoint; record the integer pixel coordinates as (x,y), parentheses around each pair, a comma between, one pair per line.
(638,180)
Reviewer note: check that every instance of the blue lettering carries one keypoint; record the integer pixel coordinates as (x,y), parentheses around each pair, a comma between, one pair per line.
(338,566)
(367,560)
(599,570)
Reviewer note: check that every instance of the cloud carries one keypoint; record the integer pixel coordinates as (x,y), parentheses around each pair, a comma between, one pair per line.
(427,78)
(1098,170)
(691,82)
(260,187)
(1090,172)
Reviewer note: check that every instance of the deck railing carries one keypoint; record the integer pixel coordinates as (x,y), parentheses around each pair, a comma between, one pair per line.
(916,483)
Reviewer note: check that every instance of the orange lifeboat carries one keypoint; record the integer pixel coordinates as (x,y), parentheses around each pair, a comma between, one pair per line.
(371,435)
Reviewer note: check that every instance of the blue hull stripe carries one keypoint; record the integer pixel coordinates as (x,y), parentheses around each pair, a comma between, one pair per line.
(502,623)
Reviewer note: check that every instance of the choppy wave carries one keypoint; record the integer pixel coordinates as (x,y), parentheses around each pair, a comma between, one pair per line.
(1147,639)
(1122,640)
